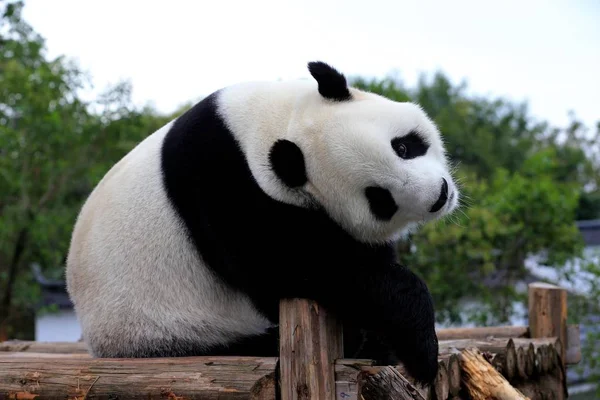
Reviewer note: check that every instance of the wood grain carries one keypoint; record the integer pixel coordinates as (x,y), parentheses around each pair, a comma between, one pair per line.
(388,383)
(310,342)
(548,312)
(25,374)
(483,332)
(482,381)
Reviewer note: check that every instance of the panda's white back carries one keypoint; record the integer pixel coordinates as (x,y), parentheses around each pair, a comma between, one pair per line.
(130,255)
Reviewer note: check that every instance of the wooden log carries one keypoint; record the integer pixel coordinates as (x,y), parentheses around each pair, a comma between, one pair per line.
(310,342)
(498,361)
(548,312)
(427,392)
(26,375)
(454,373)
(530,362)
(490,345)
(388,383)
(521,363)
(44,347)
(511,360)
(541,356)
(483,333)
(441,386)
(482,381)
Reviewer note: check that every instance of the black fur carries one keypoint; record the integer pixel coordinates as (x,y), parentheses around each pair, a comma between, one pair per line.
(287,162)
(332,83)
(414,146)
(442,199)
(381,202)
(272,250)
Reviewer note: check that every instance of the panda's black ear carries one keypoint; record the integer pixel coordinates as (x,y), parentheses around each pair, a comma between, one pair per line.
(287,161)
(332,83)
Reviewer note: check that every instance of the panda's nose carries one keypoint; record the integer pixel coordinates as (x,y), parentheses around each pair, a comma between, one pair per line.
(442,199)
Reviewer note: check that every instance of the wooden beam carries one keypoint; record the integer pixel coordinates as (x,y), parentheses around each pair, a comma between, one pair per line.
(454,375)
(54,376)
(483,332)
(447,347)
(310,342)
(44,347)
(548,313)
(25,375)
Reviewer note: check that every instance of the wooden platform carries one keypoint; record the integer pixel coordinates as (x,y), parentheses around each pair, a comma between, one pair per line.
(475,363)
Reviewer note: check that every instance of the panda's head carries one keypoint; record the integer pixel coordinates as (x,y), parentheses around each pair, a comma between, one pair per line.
(376,166)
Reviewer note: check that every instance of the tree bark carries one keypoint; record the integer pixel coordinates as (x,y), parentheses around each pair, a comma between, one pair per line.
(388,383)
(310,342)
(548,312)
(13,270)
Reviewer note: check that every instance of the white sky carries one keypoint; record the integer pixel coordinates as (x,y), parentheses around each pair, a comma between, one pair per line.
(546,52)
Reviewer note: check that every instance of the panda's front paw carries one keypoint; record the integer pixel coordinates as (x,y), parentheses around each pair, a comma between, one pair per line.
(419,355)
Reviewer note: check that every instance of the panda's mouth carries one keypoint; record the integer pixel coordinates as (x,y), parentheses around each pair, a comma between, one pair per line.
(441,201)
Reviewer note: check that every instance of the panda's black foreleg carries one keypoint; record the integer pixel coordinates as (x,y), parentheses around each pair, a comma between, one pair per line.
(364,343)
(393,306)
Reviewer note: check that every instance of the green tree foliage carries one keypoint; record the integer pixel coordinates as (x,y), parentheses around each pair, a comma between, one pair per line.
(53,150)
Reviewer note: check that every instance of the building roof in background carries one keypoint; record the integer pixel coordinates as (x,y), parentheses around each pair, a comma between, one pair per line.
(590,230)
(54,292)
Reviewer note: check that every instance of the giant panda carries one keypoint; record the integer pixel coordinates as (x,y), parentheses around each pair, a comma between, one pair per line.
(263,191)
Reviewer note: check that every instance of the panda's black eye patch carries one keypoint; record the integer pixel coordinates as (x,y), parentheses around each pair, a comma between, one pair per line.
(287,161)
(381,202)
(410,146)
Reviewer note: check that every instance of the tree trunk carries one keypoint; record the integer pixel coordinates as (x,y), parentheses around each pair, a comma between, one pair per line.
(13,270)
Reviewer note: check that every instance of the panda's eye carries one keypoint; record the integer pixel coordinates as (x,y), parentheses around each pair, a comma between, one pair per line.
(400,149)
(410,146)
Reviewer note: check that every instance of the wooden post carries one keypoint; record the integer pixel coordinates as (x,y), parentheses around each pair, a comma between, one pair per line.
(548,317)
(310,342)
(548,313)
